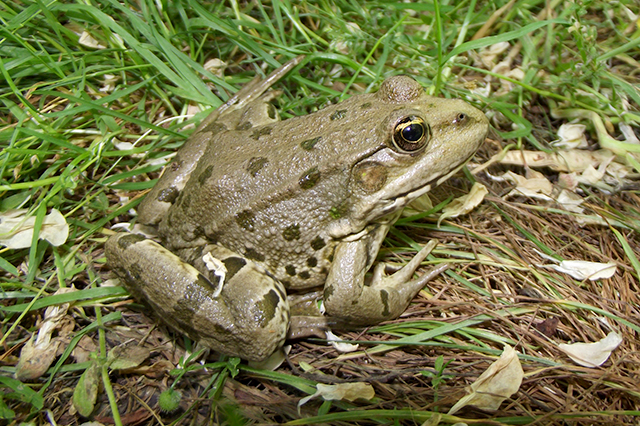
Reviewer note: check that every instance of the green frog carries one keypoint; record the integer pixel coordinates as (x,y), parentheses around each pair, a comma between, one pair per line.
(253,211)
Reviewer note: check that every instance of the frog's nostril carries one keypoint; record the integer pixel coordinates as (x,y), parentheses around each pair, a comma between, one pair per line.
(460,117)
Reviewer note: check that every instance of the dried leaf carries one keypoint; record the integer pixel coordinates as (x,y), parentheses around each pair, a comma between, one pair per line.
(574,160)
(342,391)
(592,354)
(216,66)
(340,346)
(16,228)
(534,185)
(109,83)
(548,327)
(630,145)
(421,204)
(571,136)
(126,356)
(35,360)
(436,419)
(591,175)
(570,201)
(501,380)
(582,270)
(463,205)
(88,40)
(83,349)
(38,353)
(489,54)
(156,370)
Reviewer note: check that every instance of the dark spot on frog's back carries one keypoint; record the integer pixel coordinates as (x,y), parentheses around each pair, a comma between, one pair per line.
(134,274)
(213,236)
(335,213)
(256,164)
(184,201)
(271,112)
(244,126)
(168,195)
(309,179)
(338,115)
(328,291)
(312,262)
(265,131)
(305,275)
(253,254)
(198,231)
(233,265)
(267,307)
(245,220)
(176,164)
(194,295)
(309,144)
(317,243)
(215,128)
(127,240)
(290,270)
(206,287)
(291,232)
(384,297)
(202,178)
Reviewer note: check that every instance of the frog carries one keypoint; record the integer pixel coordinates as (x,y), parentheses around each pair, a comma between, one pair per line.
(254,211)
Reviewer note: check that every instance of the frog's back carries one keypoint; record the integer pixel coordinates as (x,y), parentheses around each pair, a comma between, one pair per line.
(268,192)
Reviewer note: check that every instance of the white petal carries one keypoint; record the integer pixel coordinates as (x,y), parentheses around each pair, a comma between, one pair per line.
(592,354)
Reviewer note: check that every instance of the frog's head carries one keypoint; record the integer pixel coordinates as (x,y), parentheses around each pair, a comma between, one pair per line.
(422,142)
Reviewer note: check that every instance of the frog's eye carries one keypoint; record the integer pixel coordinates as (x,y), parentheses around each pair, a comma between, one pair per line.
(411,134)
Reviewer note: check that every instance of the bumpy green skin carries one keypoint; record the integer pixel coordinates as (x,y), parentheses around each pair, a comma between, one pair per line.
(291,206)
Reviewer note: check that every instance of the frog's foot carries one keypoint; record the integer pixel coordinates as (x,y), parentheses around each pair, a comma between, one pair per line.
(400,279)
(245,315)
(346,295)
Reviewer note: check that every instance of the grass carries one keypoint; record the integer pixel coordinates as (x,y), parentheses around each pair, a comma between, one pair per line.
(86,128)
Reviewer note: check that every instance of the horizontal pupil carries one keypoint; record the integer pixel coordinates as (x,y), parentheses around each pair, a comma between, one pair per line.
(412,133)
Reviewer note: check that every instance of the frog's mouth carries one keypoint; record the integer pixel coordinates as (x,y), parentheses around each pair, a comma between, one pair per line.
(402,200)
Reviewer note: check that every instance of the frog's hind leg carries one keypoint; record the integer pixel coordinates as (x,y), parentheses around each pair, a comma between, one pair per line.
(238,310)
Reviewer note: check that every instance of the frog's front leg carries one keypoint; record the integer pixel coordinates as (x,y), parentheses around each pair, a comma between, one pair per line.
(346,296)
(237,309)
